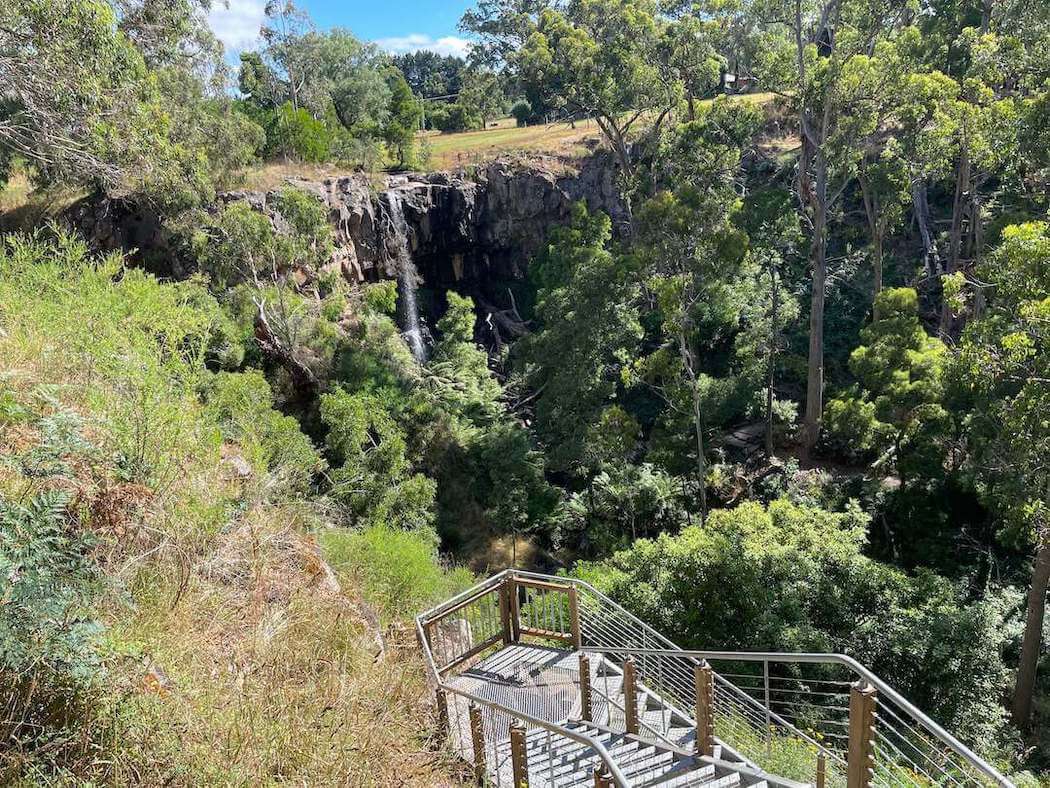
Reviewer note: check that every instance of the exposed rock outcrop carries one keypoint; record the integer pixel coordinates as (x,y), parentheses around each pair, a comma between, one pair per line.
(470,232)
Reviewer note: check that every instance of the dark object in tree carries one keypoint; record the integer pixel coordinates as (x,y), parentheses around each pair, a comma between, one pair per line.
(305,378)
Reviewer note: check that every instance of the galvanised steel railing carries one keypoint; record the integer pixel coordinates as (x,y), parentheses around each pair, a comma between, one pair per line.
(822,718)
(483,737)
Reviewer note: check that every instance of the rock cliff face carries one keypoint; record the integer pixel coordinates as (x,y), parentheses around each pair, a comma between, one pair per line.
(472,233)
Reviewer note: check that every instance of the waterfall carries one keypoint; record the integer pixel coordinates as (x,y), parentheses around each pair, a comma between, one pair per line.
(407,276)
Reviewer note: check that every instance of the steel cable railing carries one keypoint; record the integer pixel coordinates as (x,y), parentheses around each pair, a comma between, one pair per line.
(788,713)
(782,686)
(495,716)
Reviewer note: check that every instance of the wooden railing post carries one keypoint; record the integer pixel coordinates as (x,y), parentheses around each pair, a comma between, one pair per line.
(515,609)
(442,710)
(574,618)
(519,755)
(705,709)
(861,760)
(630,695)
(602,779)
(477,736)
(504,610)
(585,687)
(822,769)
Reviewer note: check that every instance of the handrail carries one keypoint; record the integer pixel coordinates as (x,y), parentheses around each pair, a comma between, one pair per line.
(614,771)
(672,650)
(641,724)
(823,659)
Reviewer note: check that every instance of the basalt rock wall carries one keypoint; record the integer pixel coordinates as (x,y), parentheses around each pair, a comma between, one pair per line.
(470,232)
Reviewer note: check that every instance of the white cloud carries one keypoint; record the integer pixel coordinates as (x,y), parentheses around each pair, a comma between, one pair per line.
(237,22)
(413,42)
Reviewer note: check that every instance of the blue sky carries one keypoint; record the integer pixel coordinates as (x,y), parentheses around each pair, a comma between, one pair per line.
(396,25)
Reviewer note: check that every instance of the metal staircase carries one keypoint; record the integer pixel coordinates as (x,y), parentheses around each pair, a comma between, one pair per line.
(543,681)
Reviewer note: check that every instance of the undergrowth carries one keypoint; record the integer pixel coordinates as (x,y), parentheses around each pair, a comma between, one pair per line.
(177,605)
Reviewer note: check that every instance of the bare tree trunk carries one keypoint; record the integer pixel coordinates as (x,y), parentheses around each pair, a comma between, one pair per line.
(818,262)
(698,422)
(1031,644)
(959,205)
(772,367)
(877,229)
(921,208)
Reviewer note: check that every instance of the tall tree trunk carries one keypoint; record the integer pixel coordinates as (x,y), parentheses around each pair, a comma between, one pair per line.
(818,262)
(772,367)
(698,422)
(959,207)
(876,227)
(921,209)
(1031,645)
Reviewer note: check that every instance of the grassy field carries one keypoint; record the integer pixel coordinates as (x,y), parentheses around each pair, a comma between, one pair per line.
(449,151)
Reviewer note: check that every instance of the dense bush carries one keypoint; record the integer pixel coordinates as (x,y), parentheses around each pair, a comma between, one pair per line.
(521,110)
(239,244)
(398,570)
(242,405)
(455,117)
(296,134)
(793,578)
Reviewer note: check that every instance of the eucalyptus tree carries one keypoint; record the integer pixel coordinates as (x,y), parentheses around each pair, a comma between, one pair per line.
(691,255)
(1002,376)
(587,332)
(70,87)
(775,239)
(840,63)
(599,59)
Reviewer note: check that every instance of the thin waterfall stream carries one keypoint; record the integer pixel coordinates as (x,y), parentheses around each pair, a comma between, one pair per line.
(407,276)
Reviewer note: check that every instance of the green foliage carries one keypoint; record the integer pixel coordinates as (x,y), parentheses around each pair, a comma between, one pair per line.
(521,110)
(404,118)
(241,404)
(586,304)
(51,661)
(398,570)
(371,473)
(793,578)
(48,583)
(1000,377)
(621,503)
(453,117)
(458,372)
(900,370)
(137,345)
(481,96)
(240,244)
(595,58)
(430,74)
(382,297)
(298,135)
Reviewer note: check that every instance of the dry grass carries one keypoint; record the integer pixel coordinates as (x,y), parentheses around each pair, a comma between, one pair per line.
(471,148)
(23,207)
(262,674)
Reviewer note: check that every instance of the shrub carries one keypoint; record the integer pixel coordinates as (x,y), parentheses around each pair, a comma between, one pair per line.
(242,405)
(522,112)
(373,479)
(49,637)
(457,117)
(397,569)
(298,135)
(793,578)
(240,244)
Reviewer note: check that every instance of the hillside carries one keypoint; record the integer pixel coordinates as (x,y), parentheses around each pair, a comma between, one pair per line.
(207,623)
(302,337)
